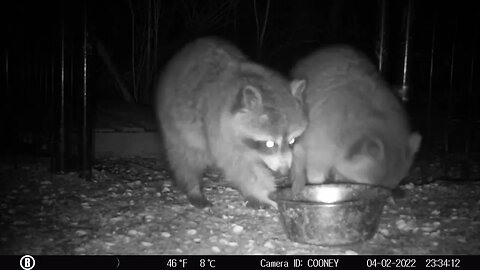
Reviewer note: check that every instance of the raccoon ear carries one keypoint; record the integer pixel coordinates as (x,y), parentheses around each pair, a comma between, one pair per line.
(251,97)
(297,87)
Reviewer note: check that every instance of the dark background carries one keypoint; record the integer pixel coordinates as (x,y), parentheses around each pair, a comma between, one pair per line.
(128,43)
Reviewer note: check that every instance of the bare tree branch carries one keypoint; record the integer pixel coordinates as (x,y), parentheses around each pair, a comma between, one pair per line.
(267,12)
(134,74)
(102,52)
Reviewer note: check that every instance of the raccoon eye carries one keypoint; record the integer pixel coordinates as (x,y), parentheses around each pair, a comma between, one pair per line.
(292,141)
(269,144)
(263,146)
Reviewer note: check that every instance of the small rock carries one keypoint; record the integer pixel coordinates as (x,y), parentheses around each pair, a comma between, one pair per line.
(166,234)
(81,232)
(216,249)
(79,250)
(268,244)
(405,226)
(85,205)
(462,240)
(383,231)
(427,229)
(116,219)
(223,241)
(192,232)
(401,224)
(132,232)
(237,229)
(350,252)
(146,244)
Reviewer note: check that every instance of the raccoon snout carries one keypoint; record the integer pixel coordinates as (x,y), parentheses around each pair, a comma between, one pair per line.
(279,164)
(281,176)
(278,172)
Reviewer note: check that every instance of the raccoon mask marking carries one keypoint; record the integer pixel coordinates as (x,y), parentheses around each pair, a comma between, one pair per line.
(275,154)
(216,107)
(266,129)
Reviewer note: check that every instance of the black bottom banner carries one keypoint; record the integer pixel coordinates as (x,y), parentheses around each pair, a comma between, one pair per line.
(33,262)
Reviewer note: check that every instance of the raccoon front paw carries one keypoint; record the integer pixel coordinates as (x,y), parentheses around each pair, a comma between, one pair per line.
(297,186)
(199,201)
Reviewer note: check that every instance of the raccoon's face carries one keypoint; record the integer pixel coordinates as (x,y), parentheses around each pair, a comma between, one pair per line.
(268,129)
(275,152)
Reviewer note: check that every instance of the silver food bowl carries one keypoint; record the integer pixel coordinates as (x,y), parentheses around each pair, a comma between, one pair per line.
(331,214)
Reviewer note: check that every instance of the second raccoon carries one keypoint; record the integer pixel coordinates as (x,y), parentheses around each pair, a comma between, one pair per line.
(216,107)
(358,130)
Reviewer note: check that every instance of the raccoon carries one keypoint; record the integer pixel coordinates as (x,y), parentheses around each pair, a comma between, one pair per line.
(218,108)
(358,129)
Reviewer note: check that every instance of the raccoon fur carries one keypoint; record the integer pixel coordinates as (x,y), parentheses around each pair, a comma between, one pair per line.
(358,129)
(218,108)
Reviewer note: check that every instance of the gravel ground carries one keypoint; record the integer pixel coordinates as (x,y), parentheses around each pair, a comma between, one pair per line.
(132,207)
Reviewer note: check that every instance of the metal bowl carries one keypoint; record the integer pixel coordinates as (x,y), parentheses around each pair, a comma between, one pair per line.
(331,214)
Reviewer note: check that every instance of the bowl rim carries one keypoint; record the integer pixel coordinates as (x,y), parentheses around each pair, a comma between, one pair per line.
(387,190)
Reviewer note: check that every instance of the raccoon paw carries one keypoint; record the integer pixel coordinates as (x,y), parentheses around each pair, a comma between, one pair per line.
(297,186)
(199,201)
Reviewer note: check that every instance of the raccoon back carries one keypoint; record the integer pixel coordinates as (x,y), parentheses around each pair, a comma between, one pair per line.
(350,107)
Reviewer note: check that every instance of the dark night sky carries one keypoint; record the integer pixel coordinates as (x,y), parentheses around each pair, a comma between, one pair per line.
(294,28)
